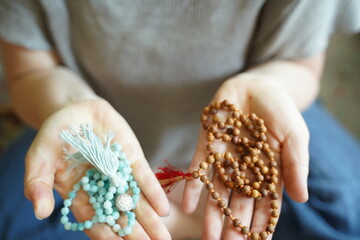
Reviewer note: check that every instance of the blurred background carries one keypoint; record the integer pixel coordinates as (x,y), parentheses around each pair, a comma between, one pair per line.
(340,91)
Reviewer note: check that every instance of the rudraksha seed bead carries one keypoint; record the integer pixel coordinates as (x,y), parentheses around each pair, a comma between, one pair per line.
(232,167)
(255,236)
(203,178)
(236,222)
(221,203)
(215,195)
(195,175)
(274,196)
(209,186)
(270,228)
(227,211)
(274,205)
(264,235)
(203,165)
(244,230)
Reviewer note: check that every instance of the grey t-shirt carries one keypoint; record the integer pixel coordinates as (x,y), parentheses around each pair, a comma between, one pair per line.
(160,61)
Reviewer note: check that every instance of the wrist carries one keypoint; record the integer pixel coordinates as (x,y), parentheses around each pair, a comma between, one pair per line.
(299,78)
(81,111)
(246,83)
(295,81)
(39,94)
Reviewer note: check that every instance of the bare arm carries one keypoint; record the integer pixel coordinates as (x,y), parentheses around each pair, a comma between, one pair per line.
(300,78)
(38,85)
(276,91)
(50,97)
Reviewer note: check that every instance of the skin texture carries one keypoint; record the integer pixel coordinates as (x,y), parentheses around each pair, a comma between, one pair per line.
(275,91)
(50,98)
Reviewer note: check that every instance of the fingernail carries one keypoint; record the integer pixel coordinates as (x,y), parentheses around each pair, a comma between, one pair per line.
(38,217)
(38,208)
(168,214)
(305,188)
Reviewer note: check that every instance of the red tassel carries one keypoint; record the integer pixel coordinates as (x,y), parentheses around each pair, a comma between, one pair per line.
(169,176)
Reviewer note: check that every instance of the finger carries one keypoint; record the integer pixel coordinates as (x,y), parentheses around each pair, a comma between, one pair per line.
(242,208)
(150,220)
(143,174)
(39,177)
(262,216)
(263,213)
(137,233)
(285,122)
(83,211)
(213,219)
(102,232)
(295,167)
(193,188)
(151,187)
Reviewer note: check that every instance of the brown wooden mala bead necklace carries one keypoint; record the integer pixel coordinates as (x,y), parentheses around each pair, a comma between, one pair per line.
(231,169)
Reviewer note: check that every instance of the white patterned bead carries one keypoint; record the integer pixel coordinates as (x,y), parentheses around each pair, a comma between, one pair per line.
(124,202)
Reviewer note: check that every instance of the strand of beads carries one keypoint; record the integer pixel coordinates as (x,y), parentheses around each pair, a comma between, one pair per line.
(232,170)
(108,202)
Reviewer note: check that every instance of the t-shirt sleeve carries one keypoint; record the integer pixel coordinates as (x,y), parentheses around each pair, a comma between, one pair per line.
(301,28)
(22,22)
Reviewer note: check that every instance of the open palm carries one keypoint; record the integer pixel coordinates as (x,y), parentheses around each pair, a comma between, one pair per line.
(46,168)
(287,136)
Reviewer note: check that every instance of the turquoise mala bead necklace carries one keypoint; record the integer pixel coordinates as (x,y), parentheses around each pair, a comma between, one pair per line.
(110,185)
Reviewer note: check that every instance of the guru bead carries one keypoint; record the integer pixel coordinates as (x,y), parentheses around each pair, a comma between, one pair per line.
(124,202)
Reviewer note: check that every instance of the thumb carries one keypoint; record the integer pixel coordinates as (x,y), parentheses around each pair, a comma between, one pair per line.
(193,189)
(295,155)
(39,180)
(286,123)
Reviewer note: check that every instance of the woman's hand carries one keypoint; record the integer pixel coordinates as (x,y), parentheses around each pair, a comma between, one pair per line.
(46,169)
(287,136)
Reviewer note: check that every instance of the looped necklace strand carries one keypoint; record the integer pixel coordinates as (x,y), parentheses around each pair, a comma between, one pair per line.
(231,169)
(110,185)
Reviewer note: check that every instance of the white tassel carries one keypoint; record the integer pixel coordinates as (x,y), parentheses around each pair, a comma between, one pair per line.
(93,151)
(75,160)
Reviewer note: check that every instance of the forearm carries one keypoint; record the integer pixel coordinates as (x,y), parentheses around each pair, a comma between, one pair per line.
(37,94)
(300,79)
(38,85)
